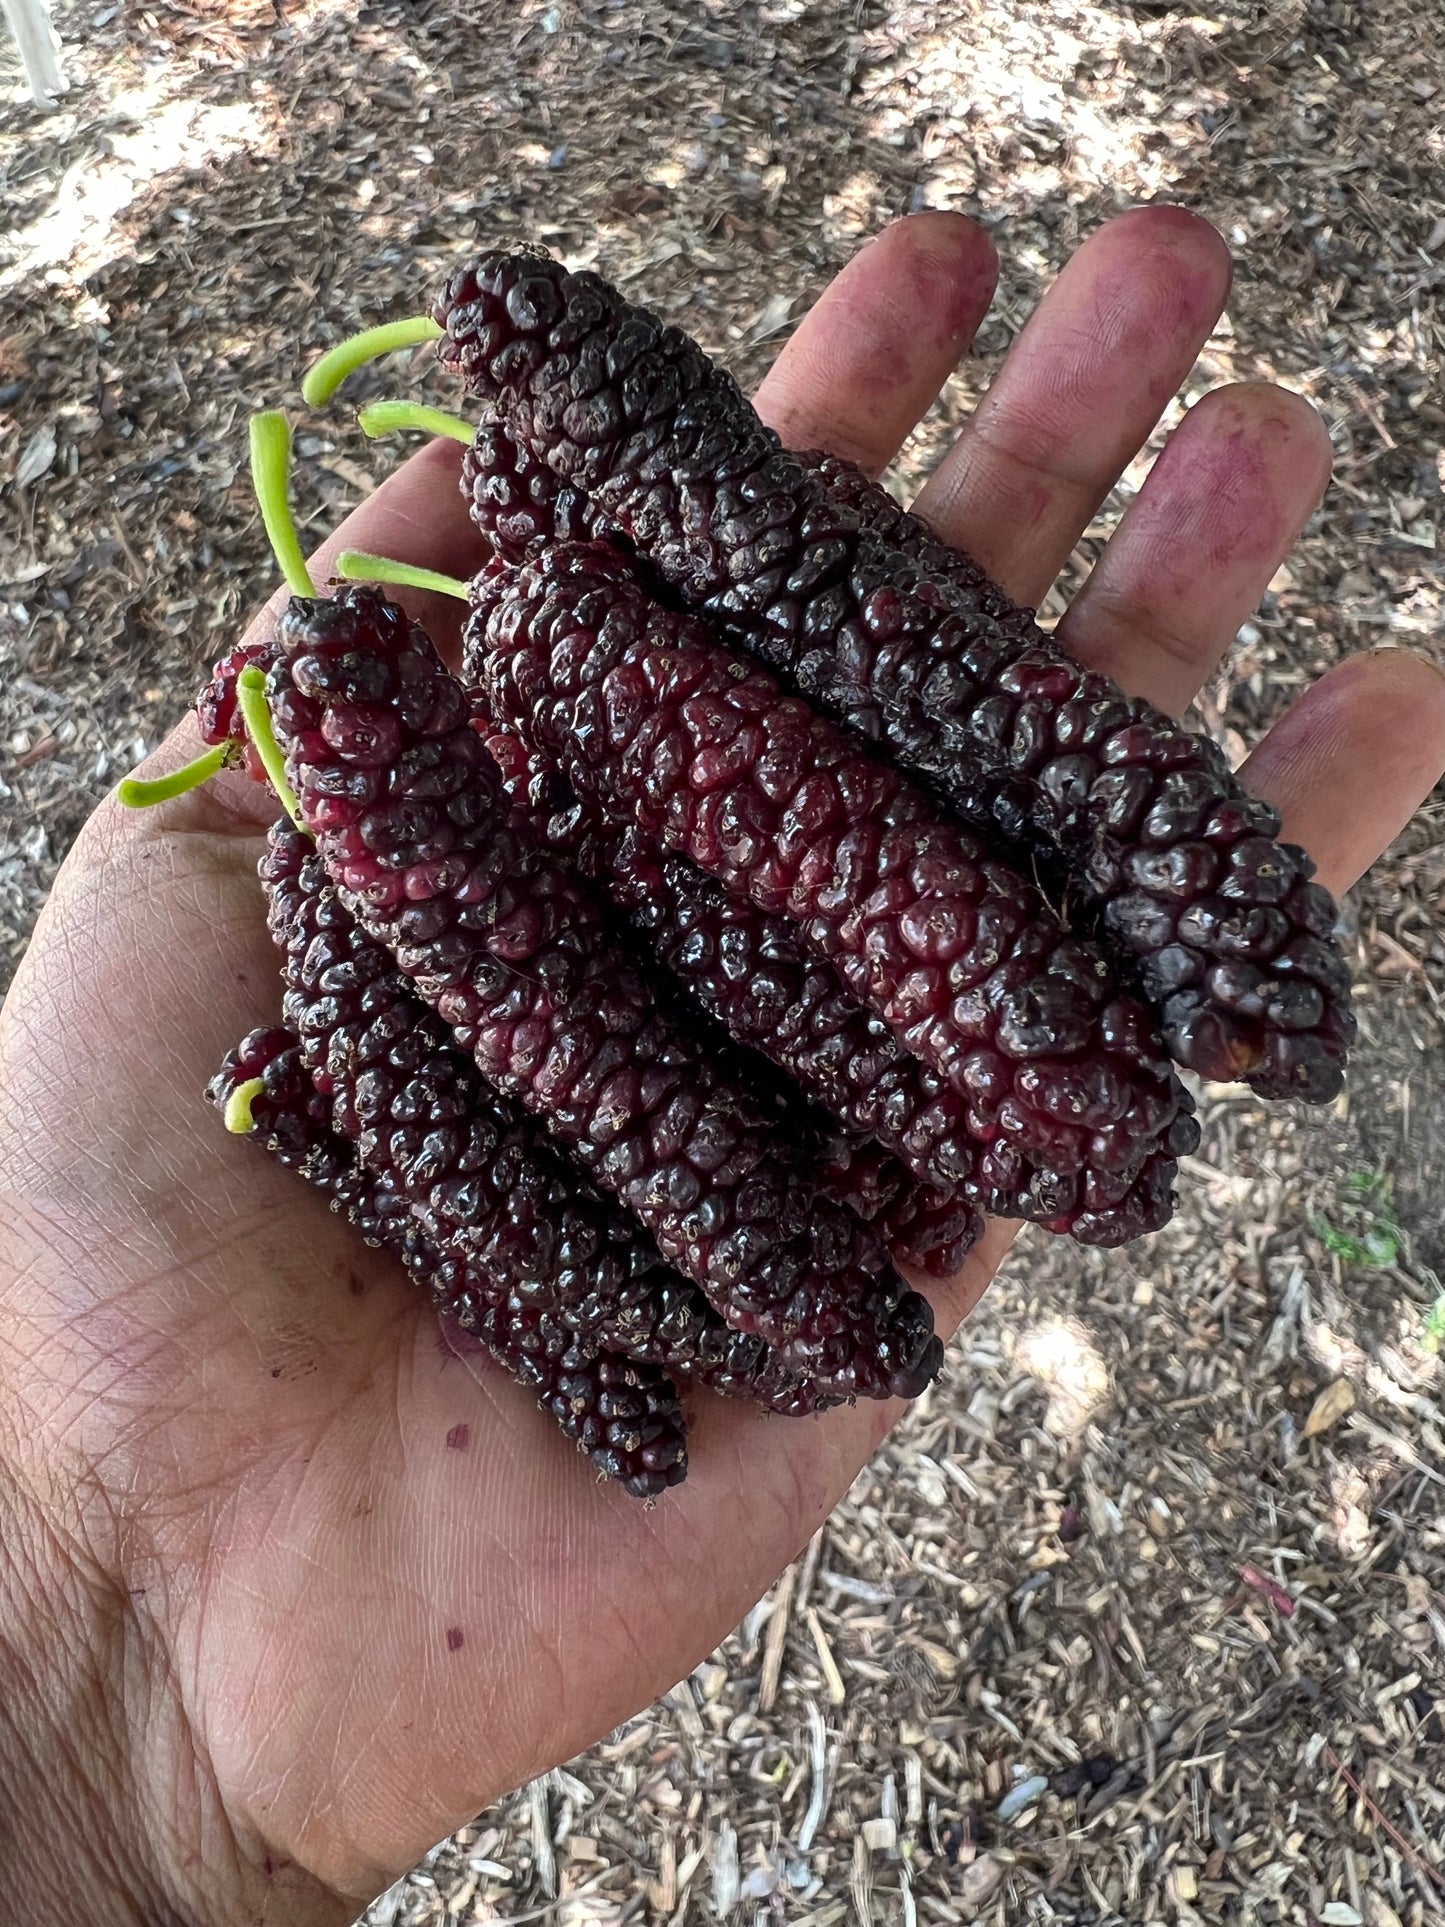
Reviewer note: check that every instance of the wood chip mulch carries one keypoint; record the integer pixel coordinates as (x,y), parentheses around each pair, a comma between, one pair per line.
(1140,1616)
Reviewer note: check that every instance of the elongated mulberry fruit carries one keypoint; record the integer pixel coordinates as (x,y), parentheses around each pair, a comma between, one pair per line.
(1231,937)
(622,1413)
(516,955)
(757,976)
(754,974)
(748,970)
(657,725)
(494,1197)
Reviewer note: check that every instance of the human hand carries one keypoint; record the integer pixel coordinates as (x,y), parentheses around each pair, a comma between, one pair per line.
(295,1593)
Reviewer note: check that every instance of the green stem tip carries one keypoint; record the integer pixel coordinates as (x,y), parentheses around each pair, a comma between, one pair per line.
(390,417)
(237,1114)
(324,377)
(355,565)
(270,467)
(142,792)
(256,714)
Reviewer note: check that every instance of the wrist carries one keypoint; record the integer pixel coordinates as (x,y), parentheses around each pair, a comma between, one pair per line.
(108,1815)
(67,1830)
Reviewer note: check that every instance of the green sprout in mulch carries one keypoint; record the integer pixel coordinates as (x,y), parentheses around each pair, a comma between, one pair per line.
(1362,1229)
(1432,1332)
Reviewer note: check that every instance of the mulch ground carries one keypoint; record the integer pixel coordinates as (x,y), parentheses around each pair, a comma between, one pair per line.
(1140,1616)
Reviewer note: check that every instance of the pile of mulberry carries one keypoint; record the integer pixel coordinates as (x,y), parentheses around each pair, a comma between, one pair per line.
(519,958)
(865,613)
(481,1183)
(1055,1068)
(769,900)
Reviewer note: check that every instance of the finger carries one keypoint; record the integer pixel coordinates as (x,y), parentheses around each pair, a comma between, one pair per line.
(871,355)
(1347,766)
(954,1300)
(1350,763)
(1078,395)
(1196,549)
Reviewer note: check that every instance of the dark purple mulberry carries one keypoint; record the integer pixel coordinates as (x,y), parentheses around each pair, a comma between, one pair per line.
(964,687)
(290,1115)
(656,724)
(516,955)
(492,1194)
(516,501)
(622,1413)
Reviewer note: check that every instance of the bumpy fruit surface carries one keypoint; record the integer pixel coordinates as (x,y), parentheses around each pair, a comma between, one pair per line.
(519,958)
(622,1413)
(494,1196)
(1231,937)
(516,501)
(658,726)
(754,974)
(217,711)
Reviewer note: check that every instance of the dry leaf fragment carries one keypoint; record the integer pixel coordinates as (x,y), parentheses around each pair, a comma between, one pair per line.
(1330,1407)
(37,456)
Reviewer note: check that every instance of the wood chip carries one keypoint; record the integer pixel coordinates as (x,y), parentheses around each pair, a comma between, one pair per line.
(1337,1398)
(837,1691)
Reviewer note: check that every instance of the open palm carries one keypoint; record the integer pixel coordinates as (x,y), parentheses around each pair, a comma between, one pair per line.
(366,1585)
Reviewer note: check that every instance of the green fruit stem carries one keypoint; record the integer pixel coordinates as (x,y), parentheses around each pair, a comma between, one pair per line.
(143,792)
(270,468)
(390,417)
(237,1114)
(355,565)
(325,376)
(256,714)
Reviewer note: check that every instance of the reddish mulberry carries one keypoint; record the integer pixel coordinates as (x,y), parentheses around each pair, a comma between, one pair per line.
(757,976)
(653,722)
(518,958)
(217,711)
